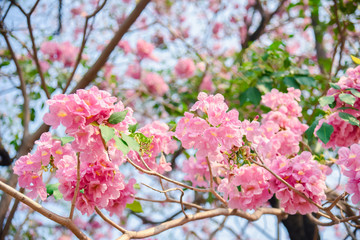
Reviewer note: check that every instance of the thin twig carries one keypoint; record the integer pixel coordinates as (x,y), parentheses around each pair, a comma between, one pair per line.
(169,190)
(112,223)
(212,184)
(76,188)
(83,42)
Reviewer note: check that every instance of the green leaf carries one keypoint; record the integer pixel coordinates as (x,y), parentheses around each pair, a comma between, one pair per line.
(355,59)
(121,145)
(210,198)
(355,92)
(326,100)
(324,133)
(239,188)
(305,80)
(117,117)
(335,86)
(347,98)
(252,94)
(135,207)
(136,186)
(291,82)
(132,128)
(107,133)
(4,63)
(349,118)
(310,131)
(82,190)
(53,189)
(131,142)
(65,140)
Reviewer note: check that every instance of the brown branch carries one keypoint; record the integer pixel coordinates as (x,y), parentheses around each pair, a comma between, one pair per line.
(109,221)
(76,188)
(100,62)
(198,216)
(169,190)
(153,173)
(10,217)
(26,110)
(212,189)
(265,19)
(83,42)
(43,211)
(34,55)
(171,200)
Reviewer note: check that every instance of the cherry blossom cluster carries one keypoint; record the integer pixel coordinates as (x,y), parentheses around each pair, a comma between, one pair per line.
(345,104)
(64,52)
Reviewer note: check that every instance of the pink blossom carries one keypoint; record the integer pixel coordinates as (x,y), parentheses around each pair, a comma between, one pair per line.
(197,171)
(145,50)
(305,175)
(125,46)
(207,84)
(344,133)
(155,84)
(134,70)
(185,68)
(162,142)
(246,187)
(350,159)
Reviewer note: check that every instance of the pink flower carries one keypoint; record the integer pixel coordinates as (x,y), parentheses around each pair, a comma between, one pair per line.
(134,70)
(350,159)
(162,142)
(207,84)
(185,68)
(125,46)
(145,50)
(305,175)
(344,133)
(247,187)
(51,49)
(155,84)
(197,171)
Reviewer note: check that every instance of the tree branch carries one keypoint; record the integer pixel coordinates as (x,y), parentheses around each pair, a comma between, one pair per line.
(100,62)
(43,211)
(198,216)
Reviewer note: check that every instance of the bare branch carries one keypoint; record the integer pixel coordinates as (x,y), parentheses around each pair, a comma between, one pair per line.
(76,188)
(83,43)
(100,62)
(198,216)
(43,211)
(112,223)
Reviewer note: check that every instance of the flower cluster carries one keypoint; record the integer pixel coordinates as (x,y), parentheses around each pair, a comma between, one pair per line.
(305,175)
(346,102)
(48,156)
(215,136)
(344,133)
(161,142)
(281,130)
(246,187)
(155,84)
(84,115)
(350,159)
(185,68)
(63,52)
